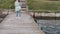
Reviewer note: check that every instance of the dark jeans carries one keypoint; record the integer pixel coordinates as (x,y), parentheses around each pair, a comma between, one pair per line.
(18,13)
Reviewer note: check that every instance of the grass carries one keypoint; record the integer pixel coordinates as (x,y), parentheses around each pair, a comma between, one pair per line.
(5,4)
(43,5)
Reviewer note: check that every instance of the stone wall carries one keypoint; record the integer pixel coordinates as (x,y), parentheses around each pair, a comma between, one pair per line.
(4,13)
(46,14)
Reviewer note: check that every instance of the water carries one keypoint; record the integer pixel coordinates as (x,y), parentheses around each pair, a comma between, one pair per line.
(49,26)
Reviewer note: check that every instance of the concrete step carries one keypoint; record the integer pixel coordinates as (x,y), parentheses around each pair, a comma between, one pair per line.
(24,9)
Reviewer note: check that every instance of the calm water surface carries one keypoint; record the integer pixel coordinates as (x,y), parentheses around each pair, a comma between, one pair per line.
(49,26)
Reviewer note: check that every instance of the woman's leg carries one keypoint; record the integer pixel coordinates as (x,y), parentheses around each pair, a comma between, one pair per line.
(17,13)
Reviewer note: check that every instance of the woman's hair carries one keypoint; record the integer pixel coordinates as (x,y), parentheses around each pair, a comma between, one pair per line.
(18,0)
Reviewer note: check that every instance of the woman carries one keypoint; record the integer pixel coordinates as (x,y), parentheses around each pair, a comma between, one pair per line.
(18,7)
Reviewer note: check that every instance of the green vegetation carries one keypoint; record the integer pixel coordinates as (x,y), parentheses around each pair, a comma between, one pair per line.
(5,4)
(45,11)
(43,5)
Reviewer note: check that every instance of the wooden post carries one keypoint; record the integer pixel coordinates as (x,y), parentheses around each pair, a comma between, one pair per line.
(34,15)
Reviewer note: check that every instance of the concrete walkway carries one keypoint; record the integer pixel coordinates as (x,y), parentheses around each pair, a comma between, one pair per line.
(19,25)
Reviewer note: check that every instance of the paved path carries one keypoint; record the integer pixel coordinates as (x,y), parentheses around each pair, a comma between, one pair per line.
(19,25)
